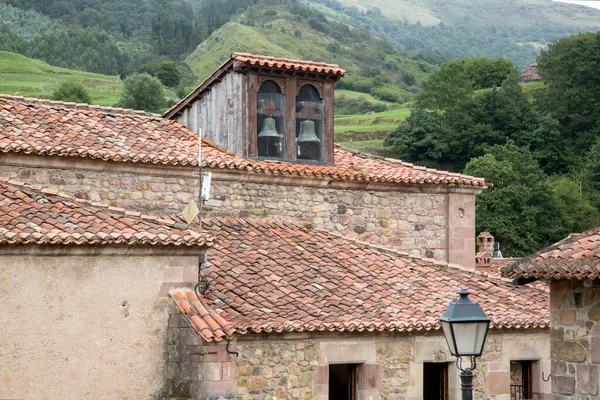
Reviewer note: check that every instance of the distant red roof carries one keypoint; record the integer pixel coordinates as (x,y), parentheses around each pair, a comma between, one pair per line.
(34,126)
(268,276)
(575,257)
(32,215)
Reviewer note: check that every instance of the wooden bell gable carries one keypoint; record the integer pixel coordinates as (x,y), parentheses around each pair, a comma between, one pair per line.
(266,108)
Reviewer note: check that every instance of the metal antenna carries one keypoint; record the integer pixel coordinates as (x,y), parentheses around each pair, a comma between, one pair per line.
(200,202)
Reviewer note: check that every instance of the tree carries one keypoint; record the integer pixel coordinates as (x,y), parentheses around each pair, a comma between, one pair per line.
(569,68)
(488,72)
(142,92)
(520,207)
(574,204)
(420,138)
(468,121)
(166,71)
(71,91)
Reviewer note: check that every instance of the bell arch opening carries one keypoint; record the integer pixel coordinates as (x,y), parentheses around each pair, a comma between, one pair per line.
(309,124)
(270,118)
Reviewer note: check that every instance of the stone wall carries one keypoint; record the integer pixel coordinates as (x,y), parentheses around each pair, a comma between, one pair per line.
(130,190)
(86,326)
(416,219)
(575,313)
(296,366)
(195,368)
(415,222)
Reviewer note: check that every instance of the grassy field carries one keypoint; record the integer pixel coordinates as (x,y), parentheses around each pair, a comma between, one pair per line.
(24,76)
(349,94)
(530,88)
(367,146)
(367,132)
(377,122)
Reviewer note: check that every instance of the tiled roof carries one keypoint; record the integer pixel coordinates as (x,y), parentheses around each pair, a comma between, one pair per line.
(32,215)
(42,128)
(268,276)
(356,166)
(575,257)
(287,63)
(34,126)
(209,325)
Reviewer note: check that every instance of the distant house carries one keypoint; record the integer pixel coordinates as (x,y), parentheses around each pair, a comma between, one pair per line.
(530,74)
(325,273)
(572,267)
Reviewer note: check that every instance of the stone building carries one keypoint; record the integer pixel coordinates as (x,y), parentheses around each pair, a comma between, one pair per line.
(530,74)
(324,272)
(83,290)
(312,310)
(571,266)
(146,163)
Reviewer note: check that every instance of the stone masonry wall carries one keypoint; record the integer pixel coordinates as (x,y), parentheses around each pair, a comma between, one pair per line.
(416,222)
(136,192)
(296,366)
(575,313)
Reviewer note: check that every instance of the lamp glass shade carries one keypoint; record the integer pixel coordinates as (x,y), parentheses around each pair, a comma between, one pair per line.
(470,337)
(465,327)
(449,339)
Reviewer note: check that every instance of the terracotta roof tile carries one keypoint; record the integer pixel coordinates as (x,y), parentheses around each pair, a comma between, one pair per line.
(268,276)
(287,63)
(30,215)
(575,257)
(44,128)
(208,323)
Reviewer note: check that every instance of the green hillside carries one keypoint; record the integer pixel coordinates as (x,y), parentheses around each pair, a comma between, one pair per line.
(515,29)
(24,76)
(232,37)
(516,13)
(299,32)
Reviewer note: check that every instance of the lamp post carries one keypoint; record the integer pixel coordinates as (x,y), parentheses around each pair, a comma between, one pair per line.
(465,326)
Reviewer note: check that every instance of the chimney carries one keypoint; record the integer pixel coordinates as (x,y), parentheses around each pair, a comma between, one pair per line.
(485,242)
(485,251)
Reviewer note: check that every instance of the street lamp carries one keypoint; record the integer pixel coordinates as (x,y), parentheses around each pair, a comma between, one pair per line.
(465,326)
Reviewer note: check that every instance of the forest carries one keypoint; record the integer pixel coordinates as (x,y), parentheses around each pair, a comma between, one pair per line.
(540,149)
(112,37)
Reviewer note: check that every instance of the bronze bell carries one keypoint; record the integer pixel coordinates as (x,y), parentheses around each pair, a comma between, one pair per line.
(307,133)
(269,130)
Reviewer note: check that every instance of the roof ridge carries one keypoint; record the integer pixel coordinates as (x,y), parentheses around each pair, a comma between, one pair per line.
(411,165)
(285,59)
(79,106)
(431,261)
(83,202)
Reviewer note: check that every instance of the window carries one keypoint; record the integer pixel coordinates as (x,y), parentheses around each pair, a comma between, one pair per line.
(435,381)
(270,119)
(309,124)
(342,382)
(521,380)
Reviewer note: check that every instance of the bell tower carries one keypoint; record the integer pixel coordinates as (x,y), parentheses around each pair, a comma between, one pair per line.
(266,108)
